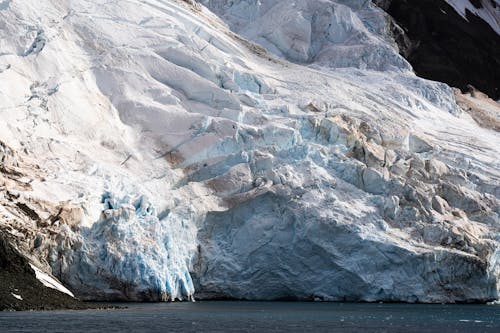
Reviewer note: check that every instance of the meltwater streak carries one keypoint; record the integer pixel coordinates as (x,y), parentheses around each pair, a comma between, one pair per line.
(261,317)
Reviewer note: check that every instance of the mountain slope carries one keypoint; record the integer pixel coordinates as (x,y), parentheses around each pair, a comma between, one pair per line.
(151,153)
(489,11)
(22,290)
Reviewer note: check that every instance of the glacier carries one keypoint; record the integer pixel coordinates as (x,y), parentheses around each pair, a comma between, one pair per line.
(166,150)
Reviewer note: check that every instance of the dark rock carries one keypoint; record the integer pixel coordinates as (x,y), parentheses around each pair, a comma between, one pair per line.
(21,290)
(445,47)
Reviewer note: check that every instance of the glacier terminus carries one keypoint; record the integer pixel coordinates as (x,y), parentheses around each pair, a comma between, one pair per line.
(155,150)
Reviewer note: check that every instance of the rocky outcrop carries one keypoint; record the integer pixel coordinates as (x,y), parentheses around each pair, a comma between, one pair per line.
(21,290)
(484,110)
(446,47)
(28,228)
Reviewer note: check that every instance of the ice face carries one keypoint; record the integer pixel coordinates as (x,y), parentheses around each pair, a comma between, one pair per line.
(133,250)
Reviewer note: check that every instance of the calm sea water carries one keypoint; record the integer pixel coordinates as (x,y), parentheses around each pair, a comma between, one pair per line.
(261,317)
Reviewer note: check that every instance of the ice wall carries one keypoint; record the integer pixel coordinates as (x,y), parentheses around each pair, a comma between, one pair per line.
(131,252)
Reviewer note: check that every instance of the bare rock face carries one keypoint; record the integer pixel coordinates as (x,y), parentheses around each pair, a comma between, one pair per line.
(168,154)
(457,42)
(21,290)
(440,205)
(484,110)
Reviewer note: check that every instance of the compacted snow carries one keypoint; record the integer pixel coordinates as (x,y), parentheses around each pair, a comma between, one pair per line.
(151,151)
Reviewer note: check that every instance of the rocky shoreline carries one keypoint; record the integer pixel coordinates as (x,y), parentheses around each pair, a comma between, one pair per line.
(20,290)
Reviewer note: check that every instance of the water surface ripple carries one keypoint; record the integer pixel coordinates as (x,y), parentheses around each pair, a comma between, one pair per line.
(261,317)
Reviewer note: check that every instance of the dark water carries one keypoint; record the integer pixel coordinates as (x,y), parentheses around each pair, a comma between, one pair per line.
(261,317)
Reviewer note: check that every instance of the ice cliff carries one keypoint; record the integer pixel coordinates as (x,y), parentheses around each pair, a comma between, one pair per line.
(154,150)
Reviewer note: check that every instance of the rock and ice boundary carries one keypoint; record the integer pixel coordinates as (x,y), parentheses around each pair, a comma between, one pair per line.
(151,151)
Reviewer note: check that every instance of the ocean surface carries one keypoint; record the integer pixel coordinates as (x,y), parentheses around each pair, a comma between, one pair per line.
(261,317)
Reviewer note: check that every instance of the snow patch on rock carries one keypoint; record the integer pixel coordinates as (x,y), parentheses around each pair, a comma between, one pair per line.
(489,11)
(19,297)
(50,281)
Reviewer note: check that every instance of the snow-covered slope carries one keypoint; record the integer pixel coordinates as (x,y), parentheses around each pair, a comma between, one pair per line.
(488,10)
(149,152)
(328,33)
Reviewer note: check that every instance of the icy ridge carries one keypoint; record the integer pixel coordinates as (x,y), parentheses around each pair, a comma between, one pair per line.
(328,33)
